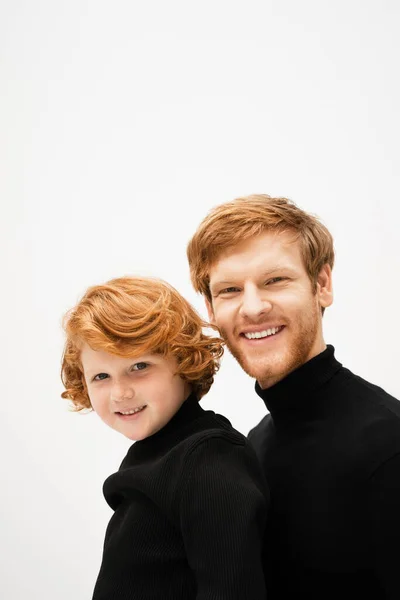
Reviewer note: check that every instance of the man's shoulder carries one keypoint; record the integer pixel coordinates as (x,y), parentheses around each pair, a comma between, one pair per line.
(371,418)
(372,397)
(261,435)
(261,428)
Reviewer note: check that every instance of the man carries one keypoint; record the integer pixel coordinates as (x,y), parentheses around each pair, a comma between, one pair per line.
(330,445)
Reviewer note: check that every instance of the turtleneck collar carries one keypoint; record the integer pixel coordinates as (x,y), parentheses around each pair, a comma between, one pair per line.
(188,412)
(289,394)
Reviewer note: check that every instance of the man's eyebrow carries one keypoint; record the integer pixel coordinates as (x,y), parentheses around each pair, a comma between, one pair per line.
(285,268)
(219,282)
(270,271)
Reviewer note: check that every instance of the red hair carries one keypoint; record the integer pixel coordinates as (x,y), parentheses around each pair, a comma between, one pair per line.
(229,224)
(131,316)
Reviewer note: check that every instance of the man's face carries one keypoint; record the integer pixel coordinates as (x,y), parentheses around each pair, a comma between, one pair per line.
(263,302)
(118,387)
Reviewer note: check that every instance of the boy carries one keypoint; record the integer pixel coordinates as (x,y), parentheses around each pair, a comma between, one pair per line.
(189,498)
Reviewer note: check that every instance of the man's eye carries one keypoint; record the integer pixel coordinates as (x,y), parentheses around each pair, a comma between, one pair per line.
(100,377)
(140,366)
(229,290)
(275,280)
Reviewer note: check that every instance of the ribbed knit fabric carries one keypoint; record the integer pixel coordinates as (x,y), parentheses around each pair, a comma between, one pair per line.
(190,508)
(330,449)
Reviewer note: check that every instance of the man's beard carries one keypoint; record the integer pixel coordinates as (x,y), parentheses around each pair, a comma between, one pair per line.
(269,366)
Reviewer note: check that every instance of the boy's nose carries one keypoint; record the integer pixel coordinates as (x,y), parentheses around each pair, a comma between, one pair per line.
(119,394)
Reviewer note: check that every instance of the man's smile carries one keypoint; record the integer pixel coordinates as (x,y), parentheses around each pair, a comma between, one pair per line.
(262,333)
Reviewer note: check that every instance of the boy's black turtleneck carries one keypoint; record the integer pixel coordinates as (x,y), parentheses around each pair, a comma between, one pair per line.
(330,449)
(190,508)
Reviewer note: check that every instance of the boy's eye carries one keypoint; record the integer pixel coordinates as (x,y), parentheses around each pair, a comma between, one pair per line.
(275,280)
(100,377)
(140,366)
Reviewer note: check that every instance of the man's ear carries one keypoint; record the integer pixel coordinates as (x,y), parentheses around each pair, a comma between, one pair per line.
(210,311)
(324,286)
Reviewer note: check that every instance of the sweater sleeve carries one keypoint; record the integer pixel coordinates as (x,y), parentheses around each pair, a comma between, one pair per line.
(223,509)
(384,509)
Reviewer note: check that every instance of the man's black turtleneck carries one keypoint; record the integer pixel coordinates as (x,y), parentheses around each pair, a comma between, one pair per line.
(190,508)
(330,449)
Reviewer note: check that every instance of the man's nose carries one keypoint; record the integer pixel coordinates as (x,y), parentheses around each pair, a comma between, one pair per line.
(254,303)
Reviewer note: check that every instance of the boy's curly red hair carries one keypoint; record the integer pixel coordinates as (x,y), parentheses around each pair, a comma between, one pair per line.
(132,316)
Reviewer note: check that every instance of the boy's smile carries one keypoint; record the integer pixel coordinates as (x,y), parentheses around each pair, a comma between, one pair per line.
(131,413)
(136,397)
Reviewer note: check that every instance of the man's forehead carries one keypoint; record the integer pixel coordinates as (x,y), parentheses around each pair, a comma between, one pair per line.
(269,251)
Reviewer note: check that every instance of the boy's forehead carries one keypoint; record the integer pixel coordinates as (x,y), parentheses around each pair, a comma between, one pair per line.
(91,356)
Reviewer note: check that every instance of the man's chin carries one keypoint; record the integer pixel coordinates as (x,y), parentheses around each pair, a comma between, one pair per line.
(254,368)
(266,372)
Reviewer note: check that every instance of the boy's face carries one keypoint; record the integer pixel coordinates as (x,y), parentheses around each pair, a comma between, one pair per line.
(265,307)
(118,385)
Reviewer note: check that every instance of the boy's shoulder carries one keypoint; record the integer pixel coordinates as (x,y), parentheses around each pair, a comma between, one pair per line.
(206,444)
(213,425)
(215,444)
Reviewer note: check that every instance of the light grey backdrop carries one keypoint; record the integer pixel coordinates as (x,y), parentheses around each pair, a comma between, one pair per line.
(122,124)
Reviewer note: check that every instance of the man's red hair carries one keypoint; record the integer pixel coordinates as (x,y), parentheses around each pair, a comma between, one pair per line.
(229,224)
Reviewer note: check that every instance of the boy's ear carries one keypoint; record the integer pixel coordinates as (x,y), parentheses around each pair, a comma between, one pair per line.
(324,286)
(210,311)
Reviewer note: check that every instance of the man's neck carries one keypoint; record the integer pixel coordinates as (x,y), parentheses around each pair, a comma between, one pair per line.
(268,382)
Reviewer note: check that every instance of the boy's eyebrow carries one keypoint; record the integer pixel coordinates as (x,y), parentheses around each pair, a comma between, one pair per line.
(132,361)
(91,372)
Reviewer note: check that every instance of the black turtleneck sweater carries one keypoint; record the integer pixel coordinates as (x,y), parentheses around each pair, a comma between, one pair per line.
(190,508)
(330,449)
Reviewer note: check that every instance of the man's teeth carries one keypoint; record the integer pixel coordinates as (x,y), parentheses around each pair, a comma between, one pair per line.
(262,334)
(132,412)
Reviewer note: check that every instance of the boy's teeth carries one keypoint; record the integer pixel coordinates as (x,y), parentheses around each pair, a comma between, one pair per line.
(132,412)
(262,334)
